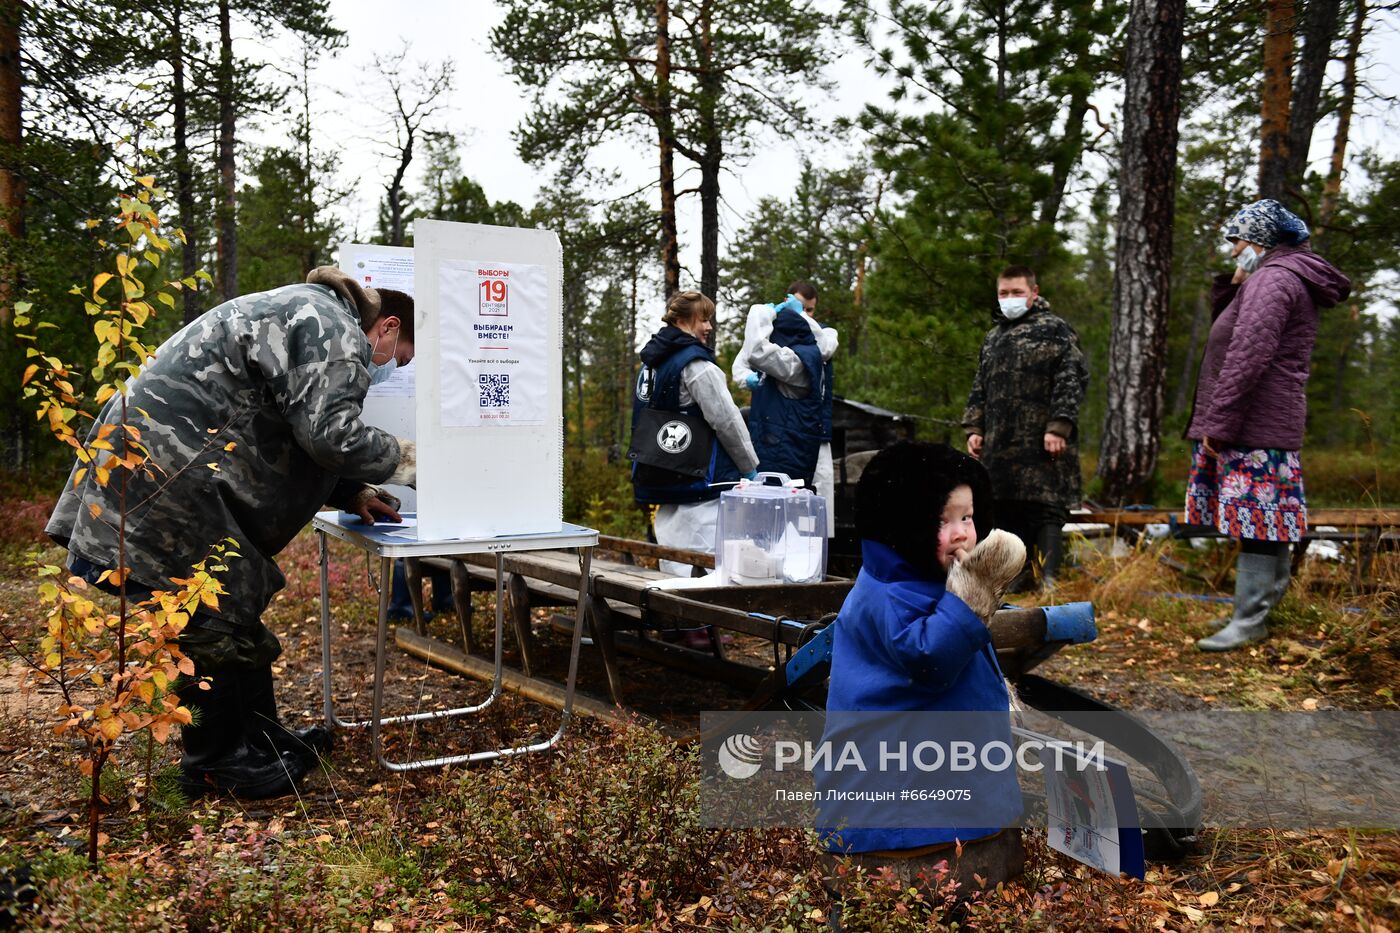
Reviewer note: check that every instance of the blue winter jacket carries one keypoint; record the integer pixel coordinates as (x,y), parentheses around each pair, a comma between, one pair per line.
(903,643)
(788,432)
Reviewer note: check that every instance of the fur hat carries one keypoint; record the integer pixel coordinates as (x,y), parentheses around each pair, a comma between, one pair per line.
(365,300)
(902,493)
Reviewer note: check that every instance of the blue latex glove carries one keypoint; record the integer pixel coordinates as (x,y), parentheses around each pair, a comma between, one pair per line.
(793,303)
(752,380)
(751,475)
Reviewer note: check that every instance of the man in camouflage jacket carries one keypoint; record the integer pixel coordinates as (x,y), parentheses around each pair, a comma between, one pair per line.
(1022,415)
(251,416)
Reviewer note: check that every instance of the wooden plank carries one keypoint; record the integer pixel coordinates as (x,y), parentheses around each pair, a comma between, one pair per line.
(656,551)
(540,691)
(1341,518)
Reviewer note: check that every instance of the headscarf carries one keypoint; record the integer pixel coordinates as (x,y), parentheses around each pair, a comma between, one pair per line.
(1267,223)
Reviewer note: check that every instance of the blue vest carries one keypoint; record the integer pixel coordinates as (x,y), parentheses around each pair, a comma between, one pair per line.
(660,387)
(788,432)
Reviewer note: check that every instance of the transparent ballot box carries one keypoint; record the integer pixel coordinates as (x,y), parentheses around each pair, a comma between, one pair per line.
(771,530)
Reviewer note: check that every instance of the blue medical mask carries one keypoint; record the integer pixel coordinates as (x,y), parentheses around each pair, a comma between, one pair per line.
(1013,308)
(1248,259)
(378,372)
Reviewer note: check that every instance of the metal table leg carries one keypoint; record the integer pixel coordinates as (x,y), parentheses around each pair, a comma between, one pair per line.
(377,720)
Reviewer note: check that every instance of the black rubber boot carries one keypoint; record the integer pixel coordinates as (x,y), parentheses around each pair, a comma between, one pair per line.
(1049,553)
(218,756)
(265,728)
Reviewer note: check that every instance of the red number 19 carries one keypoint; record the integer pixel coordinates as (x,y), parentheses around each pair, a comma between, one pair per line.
(493,290)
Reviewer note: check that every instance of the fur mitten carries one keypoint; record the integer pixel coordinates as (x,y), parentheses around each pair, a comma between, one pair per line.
(981,579)
(406,473)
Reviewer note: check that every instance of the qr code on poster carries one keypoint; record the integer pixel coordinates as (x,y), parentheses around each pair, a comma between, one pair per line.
(495,390)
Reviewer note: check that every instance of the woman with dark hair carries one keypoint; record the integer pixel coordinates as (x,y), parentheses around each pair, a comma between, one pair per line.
(679,374)
(1251,407)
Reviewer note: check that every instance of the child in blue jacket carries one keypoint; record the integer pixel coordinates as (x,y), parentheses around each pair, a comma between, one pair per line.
(912,636)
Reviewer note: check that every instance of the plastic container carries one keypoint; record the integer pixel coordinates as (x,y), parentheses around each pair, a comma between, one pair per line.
(770,530)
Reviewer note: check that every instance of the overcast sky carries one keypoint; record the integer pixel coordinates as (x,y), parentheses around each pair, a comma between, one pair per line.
(486,105)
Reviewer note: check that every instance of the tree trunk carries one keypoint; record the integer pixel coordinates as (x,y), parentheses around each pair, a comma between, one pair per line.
(311,259)
(666,133)
(1351,328)
(11,150)
(395,192)
(1200,317)
(184,173)
(228,176)
(1332,188)
(1279,22)
(713,157)
(1319,25)
(16,426)
(1066,157)
(1142,263)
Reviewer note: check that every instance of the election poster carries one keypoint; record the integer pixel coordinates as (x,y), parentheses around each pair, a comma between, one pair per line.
(495,317)
(384,267)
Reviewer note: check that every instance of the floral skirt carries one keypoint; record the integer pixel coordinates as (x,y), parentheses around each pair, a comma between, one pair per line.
(1250,494)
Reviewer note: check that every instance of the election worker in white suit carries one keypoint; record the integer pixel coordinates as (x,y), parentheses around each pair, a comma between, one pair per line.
(786,362)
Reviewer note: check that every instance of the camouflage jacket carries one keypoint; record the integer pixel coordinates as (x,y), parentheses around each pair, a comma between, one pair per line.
(1030,381)
(281,376)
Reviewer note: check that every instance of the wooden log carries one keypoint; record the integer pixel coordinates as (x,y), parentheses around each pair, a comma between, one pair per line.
(707,666)
(540,691)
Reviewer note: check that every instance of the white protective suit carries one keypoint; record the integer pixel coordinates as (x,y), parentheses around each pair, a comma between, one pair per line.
(692,525)
(761,355)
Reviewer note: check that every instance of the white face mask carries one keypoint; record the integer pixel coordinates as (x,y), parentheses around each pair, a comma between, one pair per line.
(1248,259)
(1013,308)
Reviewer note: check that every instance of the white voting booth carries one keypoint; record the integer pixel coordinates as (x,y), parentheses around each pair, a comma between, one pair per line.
(483,400)
(483,397)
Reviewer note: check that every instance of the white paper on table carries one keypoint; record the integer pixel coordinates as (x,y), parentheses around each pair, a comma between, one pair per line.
(802,555)
(495,316)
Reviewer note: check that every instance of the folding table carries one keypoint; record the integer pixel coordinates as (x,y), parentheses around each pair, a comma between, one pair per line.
(389,542)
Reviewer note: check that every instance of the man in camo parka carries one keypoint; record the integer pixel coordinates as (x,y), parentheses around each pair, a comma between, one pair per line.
(1022,419)
(251,416)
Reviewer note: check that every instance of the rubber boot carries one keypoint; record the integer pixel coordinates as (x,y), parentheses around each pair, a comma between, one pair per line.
(1257,590)
(218,756)
(265,728)
(1050,552)
(1283,572)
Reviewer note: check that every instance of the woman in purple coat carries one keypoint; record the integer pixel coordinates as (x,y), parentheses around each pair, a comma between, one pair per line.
(1251,406)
